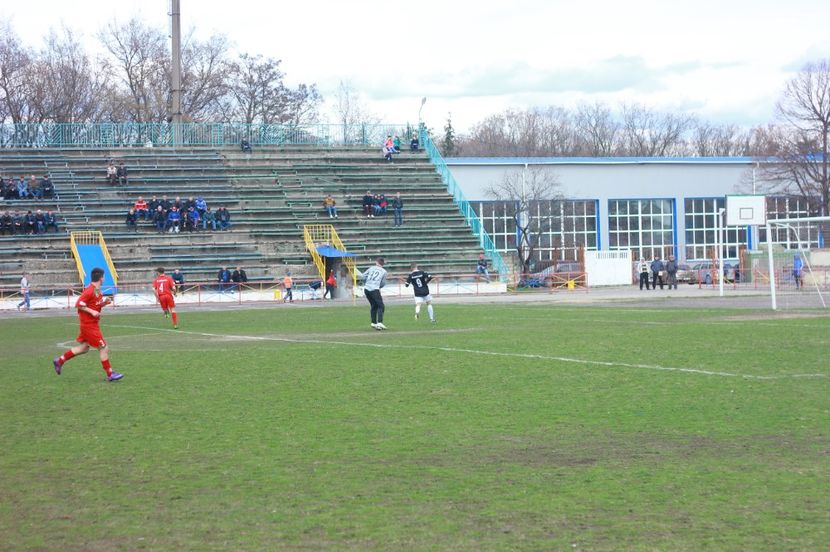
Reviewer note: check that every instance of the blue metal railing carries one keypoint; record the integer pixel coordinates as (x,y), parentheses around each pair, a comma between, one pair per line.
(464,206)
(114,135)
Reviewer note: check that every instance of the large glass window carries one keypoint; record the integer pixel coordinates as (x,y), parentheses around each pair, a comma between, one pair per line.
(701,228)
(791,207)
(565,227)
(642,225)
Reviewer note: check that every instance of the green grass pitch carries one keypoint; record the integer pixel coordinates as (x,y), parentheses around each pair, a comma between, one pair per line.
(504,427)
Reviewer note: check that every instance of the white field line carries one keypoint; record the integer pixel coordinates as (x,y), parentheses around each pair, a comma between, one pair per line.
(584,362)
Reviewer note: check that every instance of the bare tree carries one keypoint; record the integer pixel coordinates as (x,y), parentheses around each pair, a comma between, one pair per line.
(596,129)
(648,133)
(529,197)
(16,63)
(205,70)
(710,140)
(352,113)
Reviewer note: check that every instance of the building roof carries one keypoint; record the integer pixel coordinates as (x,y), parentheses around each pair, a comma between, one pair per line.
(600,160)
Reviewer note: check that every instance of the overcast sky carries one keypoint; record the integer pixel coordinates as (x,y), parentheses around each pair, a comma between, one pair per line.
(726,60)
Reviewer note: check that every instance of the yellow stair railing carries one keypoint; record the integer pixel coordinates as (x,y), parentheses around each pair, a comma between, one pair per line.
(324,234)
(91,237)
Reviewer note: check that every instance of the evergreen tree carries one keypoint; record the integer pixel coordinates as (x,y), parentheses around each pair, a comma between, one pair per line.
(448,145)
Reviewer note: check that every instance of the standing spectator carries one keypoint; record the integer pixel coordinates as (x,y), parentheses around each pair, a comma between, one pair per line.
(368,203)
(224,218)
(121,174)
(24,292)
(330,205)
(178,281)
(174,220)
(209,220)
(331,285)
(374,279)
(288,284)
(396,144)
(798,266)
(112,173)
(51,221)
(22,189)
(397,206)
(224,278)
(642,270)
(239,277)
(481,267)
(141,208)
(47,187)
(40,222)
(671,272)
(34,188)
(414,144)
(132,220)
(657,269)
(159,218)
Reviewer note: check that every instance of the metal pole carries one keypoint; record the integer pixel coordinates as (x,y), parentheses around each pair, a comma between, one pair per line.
(176,68)
(771,266)
(720,251)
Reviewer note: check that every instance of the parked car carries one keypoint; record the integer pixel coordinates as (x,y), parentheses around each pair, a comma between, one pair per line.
(684,273)
(703,273)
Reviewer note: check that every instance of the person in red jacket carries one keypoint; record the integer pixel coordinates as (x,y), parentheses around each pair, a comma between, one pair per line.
(141,208)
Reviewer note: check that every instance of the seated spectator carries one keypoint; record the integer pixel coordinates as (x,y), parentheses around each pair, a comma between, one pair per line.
(189,203)
(121,174)
(34,188)
(165,203)
(396,144)
(7,189)
(330,206)
(387,152)
(7,223)
(22,189)
(18,221)
(245,145)
(152,204)
(177,203)
(223,217)
(376,205)
(47,187)
(178,280)
(384,204)
(40,222)
(368,202)
(29,223)
(112,174)
(192,222)
(414,144)
(174,220)
(132,220)
(142,210)
(201,206)
(159,218)
(209,220)
(51,221)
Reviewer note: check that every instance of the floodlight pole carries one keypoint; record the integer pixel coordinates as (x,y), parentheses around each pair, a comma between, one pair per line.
(176,58)
(771,266)
(720,240)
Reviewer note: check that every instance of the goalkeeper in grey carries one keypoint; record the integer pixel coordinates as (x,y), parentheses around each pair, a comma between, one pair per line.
(373,280)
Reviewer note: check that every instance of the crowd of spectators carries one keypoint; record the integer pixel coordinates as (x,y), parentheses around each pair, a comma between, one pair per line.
(18,222)
(31,188)
(192,214)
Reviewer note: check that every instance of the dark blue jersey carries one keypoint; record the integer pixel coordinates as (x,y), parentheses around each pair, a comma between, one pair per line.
(419,280)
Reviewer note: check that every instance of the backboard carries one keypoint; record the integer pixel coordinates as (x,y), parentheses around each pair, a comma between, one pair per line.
(746,210)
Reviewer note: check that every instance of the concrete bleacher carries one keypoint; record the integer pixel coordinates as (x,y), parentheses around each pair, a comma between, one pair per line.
(271,193)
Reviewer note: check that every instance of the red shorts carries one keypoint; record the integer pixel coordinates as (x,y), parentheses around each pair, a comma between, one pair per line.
(166,302)
(91,335)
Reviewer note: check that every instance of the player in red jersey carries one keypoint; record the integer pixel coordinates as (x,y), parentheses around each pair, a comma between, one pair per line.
(163,287)
(89,307)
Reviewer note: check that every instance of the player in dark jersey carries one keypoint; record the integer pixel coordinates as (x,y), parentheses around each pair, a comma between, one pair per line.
(420,284)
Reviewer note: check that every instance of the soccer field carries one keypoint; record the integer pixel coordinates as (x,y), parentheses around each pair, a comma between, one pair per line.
(503,427)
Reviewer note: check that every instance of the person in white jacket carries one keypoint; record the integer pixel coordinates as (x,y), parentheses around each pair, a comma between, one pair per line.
(642,269)
(374,279)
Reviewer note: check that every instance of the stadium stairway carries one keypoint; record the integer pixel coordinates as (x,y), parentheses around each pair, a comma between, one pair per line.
(271,193)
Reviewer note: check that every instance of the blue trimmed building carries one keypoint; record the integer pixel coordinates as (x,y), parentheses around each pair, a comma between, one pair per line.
(649,205)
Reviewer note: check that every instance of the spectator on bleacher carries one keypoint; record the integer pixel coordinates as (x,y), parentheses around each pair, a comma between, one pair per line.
(29,223)
(18,222)
(177,203)
(34,188)
(209,220)
(22,189)
(159,218)
(40,222)
(223,217)
(201,206)
(379,204)
(368,202)
(397,206)
(141,208)
(7,189)
(239,276)
(121,174)
(178,280)
(47,187)
(388,150)
(165,204)
(330,205)
(152,204)
(174,220)
(51,221)
(245,146)
(112,173)
(132,220)
(192,222)
(414,144)
(396,144)
(224,278)
(481,267)
(7,223)
(190,202)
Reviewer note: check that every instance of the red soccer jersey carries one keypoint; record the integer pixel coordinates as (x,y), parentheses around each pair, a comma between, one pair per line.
(163,285)
(91,298)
